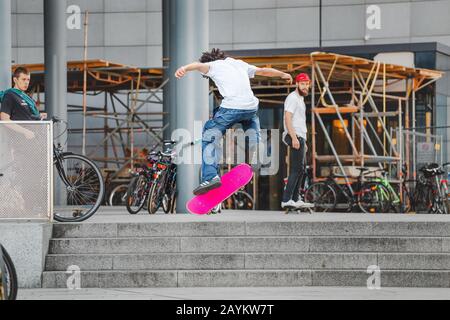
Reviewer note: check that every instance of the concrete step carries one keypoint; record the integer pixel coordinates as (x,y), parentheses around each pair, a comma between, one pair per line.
(253,228)
(252,250)
(197,261)
(239,244)
(247,278)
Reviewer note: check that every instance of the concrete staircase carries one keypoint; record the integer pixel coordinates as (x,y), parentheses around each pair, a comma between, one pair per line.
(300,251)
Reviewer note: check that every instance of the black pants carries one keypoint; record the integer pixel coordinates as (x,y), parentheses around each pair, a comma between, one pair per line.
(297,168)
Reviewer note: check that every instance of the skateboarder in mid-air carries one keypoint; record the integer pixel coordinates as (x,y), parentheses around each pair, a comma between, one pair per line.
(239,105)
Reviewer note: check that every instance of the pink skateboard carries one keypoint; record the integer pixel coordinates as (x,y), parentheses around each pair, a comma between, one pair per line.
(232,181)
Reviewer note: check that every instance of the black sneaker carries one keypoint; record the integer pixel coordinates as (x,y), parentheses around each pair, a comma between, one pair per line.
(206,186)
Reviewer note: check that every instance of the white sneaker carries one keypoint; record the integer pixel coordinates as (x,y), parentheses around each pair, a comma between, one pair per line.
(289,204)
(301,204)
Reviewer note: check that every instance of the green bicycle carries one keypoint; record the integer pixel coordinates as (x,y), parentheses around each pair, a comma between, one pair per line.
(392,196)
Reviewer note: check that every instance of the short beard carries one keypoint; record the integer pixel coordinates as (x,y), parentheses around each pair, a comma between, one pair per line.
(301,93)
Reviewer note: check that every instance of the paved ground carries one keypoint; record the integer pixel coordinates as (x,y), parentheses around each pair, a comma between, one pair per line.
(120,215)
(303,293)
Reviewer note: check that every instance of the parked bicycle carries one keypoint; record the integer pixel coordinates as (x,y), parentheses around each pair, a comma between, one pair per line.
(141,185)
(8,276)
(118,196)
(163,190)
(393,195)
(329,195)
(408,201)
(79,184)
(116,187)
(431,193)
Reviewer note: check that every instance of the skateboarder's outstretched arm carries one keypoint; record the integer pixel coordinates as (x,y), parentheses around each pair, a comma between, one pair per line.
(271,72)
(195,66)
(204,69)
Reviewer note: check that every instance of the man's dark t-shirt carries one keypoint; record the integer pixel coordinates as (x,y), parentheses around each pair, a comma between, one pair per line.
(17,108)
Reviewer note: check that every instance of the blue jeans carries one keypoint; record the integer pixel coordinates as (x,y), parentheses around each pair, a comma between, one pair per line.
(214,130)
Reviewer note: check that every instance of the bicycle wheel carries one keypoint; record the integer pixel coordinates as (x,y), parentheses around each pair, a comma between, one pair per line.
(407,202)
(241,200)
(169,202)
(8,277)
(79,188)
(118,196)
(136,194)
(166,203)
(322,195)
(445,201)
(169,196)
(156,196)
(173,205)
(440,200)
(423,195)
(443,198)
(374,198)
(395,203)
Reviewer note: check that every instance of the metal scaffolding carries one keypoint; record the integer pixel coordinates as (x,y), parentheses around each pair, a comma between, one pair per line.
(354,94)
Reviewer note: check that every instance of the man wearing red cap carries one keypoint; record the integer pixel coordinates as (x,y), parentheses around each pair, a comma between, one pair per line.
(294,136)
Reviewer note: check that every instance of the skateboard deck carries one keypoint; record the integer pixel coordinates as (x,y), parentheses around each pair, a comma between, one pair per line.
(232,181)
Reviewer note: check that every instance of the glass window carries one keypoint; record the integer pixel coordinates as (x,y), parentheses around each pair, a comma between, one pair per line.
(426,60)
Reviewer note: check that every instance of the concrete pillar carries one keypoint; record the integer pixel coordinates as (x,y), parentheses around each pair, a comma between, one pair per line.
(55,42)
(55,59)
(5,40)
(168,71)
(189,36)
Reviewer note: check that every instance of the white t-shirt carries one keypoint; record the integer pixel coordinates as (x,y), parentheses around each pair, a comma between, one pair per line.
(232,78)
(295,104)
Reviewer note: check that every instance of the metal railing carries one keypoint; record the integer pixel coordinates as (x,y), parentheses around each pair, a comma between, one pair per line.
(419,149)
(26,170)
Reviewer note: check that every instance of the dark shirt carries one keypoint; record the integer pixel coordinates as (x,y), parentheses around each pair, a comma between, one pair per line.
(17,108)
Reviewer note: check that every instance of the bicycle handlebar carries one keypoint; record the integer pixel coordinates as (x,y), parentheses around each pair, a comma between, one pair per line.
(55,120)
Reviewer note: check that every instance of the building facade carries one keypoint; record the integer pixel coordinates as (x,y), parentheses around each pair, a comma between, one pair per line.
(130,32)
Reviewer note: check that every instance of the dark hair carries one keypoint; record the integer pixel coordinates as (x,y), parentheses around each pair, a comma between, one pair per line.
(215,54)
(20,70)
